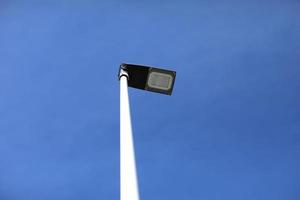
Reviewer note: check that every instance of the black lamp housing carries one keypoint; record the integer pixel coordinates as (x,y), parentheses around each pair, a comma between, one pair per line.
(149,78)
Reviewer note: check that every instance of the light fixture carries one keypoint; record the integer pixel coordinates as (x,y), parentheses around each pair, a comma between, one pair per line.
(149,78)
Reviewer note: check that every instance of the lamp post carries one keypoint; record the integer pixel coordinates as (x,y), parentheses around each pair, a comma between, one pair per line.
(146,78)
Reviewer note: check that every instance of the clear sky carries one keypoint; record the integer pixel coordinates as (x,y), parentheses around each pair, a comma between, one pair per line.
(230,131)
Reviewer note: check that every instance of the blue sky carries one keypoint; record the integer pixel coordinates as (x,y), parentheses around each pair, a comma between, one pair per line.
(231,129)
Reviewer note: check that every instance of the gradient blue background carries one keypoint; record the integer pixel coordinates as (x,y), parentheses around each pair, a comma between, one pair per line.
(231,129)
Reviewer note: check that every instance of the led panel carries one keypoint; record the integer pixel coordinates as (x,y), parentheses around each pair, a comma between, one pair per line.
(160,81)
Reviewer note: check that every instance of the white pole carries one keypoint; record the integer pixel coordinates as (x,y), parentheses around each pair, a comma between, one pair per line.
(128,175)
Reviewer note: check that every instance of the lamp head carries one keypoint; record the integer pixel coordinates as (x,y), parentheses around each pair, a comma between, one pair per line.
(149,78)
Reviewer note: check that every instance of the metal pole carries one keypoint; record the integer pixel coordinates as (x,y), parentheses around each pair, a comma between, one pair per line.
(128,175)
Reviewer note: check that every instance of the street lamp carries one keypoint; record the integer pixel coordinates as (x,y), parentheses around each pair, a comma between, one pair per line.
(145,78)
